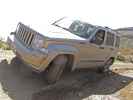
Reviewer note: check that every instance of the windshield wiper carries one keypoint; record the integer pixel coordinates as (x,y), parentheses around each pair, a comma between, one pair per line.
(58,20)
(61,27)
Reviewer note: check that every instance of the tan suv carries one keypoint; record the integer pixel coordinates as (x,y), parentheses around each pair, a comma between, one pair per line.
(67,43)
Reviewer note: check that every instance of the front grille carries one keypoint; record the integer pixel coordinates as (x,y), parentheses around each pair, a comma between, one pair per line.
(25,34)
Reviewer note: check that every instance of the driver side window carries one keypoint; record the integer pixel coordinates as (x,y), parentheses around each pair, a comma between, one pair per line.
(98,39)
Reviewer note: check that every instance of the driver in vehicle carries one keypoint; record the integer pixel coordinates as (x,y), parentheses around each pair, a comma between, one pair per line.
(99,38)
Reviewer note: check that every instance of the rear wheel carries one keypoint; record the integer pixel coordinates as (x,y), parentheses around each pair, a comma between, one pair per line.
(106,67)
(56,69)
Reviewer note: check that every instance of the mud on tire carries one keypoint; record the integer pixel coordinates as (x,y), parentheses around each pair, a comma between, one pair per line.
(106,67)
(56,69)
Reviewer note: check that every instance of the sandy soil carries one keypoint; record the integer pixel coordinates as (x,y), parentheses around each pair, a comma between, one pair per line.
(18,82)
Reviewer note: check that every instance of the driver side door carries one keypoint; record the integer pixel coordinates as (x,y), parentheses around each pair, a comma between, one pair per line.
(96,53)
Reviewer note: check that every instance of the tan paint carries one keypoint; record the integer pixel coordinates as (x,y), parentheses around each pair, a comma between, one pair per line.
(86,54)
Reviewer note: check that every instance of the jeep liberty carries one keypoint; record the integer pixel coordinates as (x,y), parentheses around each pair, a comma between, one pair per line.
(67,43)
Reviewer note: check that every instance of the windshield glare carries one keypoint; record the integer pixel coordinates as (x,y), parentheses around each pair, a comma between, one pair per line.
(76,27)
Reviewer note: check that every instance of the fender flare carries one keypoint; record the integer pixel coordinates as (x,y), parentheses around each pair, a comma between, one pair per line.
(55,50)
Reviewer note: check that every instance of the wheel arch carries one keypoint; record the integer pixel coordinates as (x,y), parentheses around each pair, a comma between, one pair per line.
(113,59)
(56,50)
(71,59)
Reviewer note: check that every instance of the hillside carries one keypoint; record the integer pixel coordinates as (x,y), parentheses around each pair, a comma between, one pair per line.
(127,37)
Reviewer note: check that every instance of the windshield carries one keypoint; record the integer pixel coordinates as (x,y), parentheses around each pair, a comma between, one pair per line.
(76,27)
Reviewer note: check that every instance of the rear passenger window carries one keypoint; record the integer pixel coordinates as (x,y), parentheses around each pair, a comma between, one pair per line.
(110,39)
(117,44)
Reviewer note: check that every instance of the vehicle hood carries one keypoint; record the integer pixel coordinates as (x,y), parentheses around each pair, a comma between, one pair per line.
(59,33)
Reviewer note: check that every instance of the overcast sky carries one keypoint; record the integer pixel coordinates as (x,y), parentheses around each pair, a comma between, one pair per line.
(37,13)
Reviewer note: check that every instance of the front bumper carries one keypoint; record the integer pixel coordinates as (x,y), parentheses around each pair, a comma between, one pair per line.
(30,56)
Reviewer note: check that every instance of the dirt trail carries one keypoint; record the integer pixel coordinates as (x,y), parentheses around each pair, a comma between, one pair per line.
(19,83)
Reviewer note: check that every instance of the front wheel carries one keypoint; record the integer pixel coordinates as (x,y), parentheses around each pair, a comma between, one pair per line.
(106,67)
(56,69)
(16,61)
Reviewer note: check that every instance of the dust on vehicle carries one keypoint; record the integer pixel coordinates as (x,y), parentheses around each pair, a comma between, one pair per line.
(71,44)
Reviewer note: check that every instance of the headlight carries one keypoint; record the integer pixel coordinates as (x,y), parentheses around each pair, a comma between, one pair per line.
(38,42)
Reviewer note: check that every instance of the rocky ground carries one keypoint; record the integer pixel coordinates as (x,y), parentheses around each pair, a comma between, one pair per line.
(17,82)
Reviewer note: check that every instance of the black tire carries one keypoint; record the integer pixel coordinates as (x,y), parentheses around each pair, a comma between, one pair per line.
(56,69)
(106,67)
(15,61)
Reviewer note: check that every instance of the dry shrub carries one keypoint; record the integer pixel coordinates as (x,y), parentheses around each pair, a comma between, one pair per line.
(125,55)
(4,45)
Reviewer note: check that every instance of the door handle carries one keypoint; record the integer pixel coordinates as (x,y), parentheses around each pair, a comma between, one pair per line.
(101,47)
